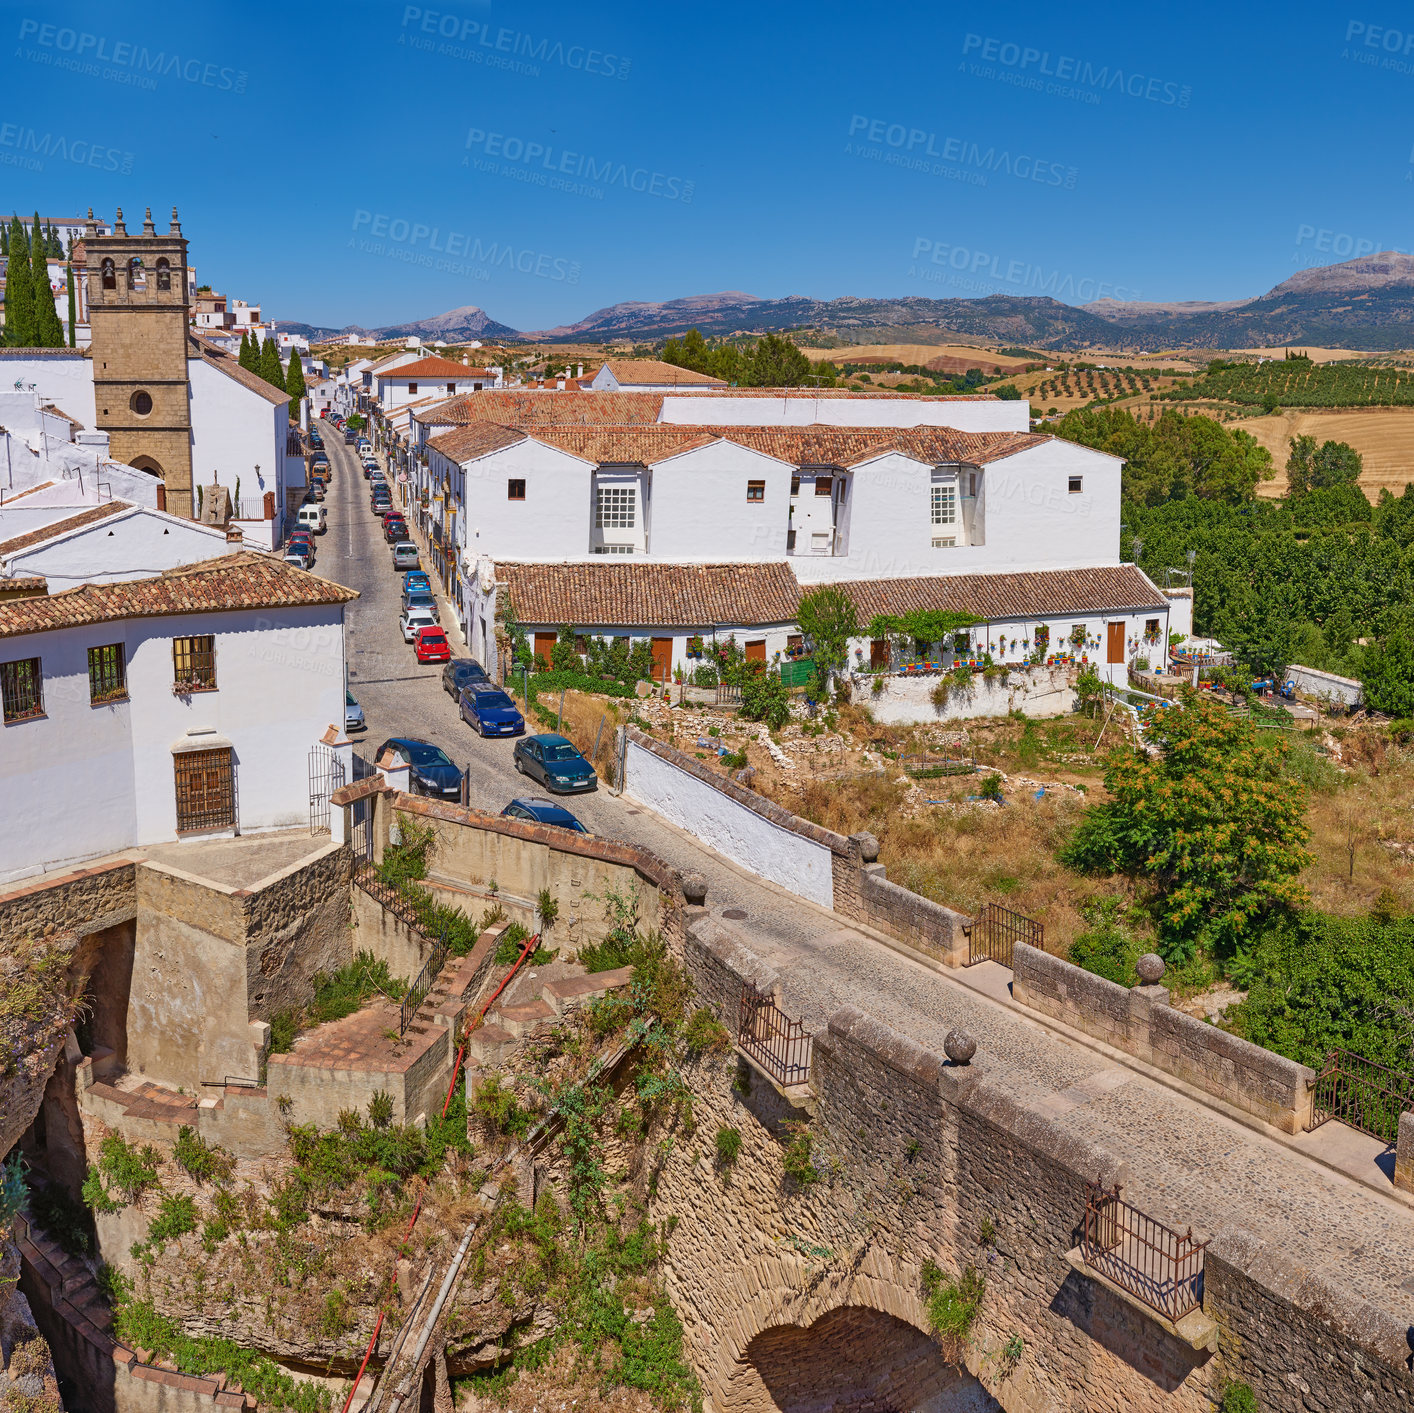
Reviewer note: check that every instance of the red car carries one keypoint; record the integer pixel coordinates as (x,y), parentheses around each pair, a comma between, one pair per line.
(431,645)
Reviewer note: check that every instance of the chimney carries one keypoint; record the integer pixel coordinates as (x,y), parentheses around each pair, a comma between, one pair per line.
(234,534)
(466,360)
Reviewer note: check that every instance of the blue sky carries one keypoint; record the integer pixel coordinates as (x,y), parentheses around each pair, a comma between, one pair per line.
(375,162)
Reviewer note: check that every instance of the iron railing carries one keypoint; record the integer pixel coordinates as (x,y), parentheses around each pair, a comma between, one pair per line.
(1361,1094)
(996,931)
(778,1044)
(417,992)
(1151,1261)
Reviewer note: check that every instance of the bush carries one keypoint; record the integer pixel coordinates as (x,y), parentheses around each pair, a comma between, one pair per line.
(175,1217)
(728,1146)
(704,1032)
(511,944)
(992,788)
(764,698)
(500,1108)
(336,995)
(1106,947)
(797,1160)
(206,1162)
(953,1303)
(1239,1398)
(733,760)
(128,1170)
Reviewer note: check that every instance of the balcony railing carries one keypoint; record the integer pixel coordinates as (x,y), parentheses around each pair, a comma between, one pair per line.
(1144,1257)
(781,1046)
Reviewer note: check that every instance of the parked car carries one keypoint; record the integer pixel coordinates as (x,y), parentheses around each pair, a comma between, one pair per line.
(391,512)
(302,540)
(417,579)
(350,438)
(365,445)
(431,645)
(353,714)
(313,517)
(405,555)
(317,489)
(421,598)
(367,471)
(379,504)
(395,530)
(431,771)
(298,556)
(556,763)
(461,672)
(543,812)
(411,619)
(489,710)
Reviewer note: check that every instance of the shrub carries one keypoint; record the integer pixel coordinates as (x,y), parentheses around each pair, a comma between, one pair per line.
(380,1109)
(734,760)
(952,1302)
(704,1032)
(992,788)
(1106,947)
(129,1170)
(500,1108)
(796,1160)
(1239,1398)
(511,943)
(175,1217)
(728,1146)
(206,1162)
(764,698)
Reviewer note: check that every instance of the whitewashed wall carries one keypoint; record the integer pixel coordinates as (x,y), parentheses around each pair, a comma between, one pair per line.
(798,409)
(700,510)
(745,837)
(89,780)
(907,701)
(63,378)
(137,545)
(234,430)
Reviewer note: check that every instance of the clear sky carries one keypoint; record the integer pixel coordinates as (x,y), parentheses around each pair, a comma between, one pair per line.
(379,162)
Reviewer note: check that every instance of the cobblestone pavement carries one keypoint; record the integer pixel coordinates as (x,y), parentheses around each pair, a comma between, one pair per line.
(1189,1164)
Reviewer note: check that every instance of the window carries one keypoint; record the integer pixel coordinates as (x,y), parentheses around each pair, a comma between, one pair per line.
(451,387)
(1042,638)
(1151,627)
(613,549)
(756,490)
(135,275)
(515,490)
(164,275)
(615,507)
(823,485)
(972,485)
(944,541)
(110,273)
(944,504)
(107,674)
(21,694)
(141,403)
(1076,485)
(795,485)
(412,387)
(206,793)
(194,664)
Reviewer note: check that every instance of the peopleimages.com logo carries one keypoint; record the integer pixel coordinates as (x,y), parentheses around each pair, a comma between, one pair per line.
(559,169)
(121,61)
(21,146)
(944,263)
(1039,69)
(915,149)
(497,46)
(1379,47)
(416,243)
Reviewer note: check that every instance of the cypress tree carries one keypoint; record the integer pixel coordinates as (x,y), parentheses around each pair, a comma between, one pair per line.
(294,383)
(56,246)
(249,359)
(69,280)
(19,290)
(48,332)
(270,368)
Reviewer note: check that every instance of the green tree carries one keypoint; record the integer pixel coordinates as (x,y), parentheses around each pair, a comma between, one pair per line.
(777,363)
(69,281)
(294,382)
(1387,671)
(1311,468)
(249,359)
(48,331)
(828,619)
(1211,822)
(19,290)
(269,367)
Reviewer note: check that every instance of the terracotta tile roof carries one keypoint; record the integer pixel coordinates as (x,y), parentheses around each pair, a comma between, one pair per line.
(853,394)
(229,364)
(434,368)
(612,595)
(30,490)
(23,584)
(62,527)
(1042,594)
(466,443)
(59,412)
(544,408)
(652,371)
(235,581)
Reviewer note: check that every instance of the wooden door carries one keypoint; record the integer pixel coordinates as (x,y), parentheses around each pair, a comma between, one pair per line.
(662,659)
(879,652)
(544,645)
(756,650)
(1116,643)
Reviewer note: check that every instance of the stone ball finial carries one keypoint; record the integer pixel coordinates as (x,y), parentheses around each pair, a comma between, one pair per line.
(868,847)
(959,1046)
(1150,968)
(694,889)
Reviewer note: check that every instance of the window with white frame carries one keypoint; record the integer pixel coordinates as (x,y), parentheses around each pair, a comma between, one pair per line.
(614,509)
(613,549)
(944,503)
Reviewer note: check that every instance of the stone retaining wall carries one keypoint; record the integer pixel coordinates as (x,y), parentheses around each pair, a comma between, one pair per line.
(1140,1022)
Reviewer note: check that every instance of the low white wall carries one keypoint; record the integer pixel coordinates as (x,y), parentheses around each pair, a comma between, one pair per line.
(908,701)
(1326,684)
(745,837)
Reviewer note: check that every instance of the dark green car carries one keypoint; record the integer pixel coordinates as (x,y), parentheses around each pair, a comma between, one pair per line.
(556,763)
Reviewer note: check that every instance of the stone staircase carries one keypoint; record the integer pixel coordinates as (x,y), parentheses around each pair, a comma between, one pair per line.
(534,1000)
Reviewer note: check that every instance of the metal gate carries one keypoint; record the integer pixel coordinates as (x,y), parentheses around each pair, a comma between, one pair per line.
(1361,1094)
(326,774)
(996,931)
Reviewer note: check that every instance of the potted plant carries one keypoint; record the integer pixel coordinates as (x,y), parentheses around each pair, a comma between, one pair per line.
(694,645)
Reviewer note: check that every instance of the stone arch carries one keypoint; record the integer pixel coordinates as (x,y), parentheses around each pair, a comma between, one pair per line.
(150,464)
(854,1359)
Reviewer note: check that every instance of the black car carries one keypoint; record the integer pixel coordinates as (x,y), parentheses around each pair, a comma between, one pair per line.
(431,771)
(543,812)
(461,672)
(350,438)
(556,763)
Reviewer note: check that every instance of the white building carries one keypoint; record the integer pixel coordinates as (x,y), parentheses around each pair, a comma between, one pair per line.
(649,375)
(183,706)
(403,383)
(99,544)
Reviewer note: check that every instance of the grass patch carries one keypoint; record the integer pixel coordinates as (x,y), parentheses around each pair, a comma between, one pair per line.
(953,1302)
(336,995)
(206,1162)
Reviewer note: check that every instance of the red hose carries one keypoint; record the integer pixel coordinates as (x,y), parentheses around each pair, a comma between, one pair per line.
(526,951)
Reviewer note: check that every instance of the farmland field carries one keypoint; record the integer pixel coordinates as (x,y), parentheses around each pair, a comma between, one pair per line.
(1383,436)
(921,353)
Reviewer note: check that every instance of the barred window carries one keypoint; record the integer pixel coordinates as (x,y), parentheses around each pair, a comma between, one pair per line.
(206,789)
(616,507)
(21,693)
(107,674)
(944,504)
(194,664)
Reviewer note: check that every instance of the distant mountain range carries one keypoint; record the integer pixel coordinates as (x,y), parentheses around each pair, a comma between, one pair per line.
(1364,303)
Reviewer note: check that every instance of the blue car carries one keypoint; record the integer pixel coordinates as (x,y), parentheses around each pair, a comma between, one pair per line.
(538,811)
(556,764)
(416,581)
(490,711)
(431,771)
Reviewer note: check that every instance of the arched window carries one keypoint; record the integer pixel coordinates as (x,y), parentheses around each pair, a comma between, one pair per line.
(110,274)
(164,275)
(135,276)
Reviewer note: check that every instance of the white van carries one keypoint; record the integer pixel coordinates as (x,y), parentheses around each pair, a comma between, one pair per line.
(313,517)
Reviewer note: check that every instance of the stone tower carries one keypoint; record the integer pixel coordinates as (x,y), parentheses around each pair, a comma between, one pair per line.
(137,305)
